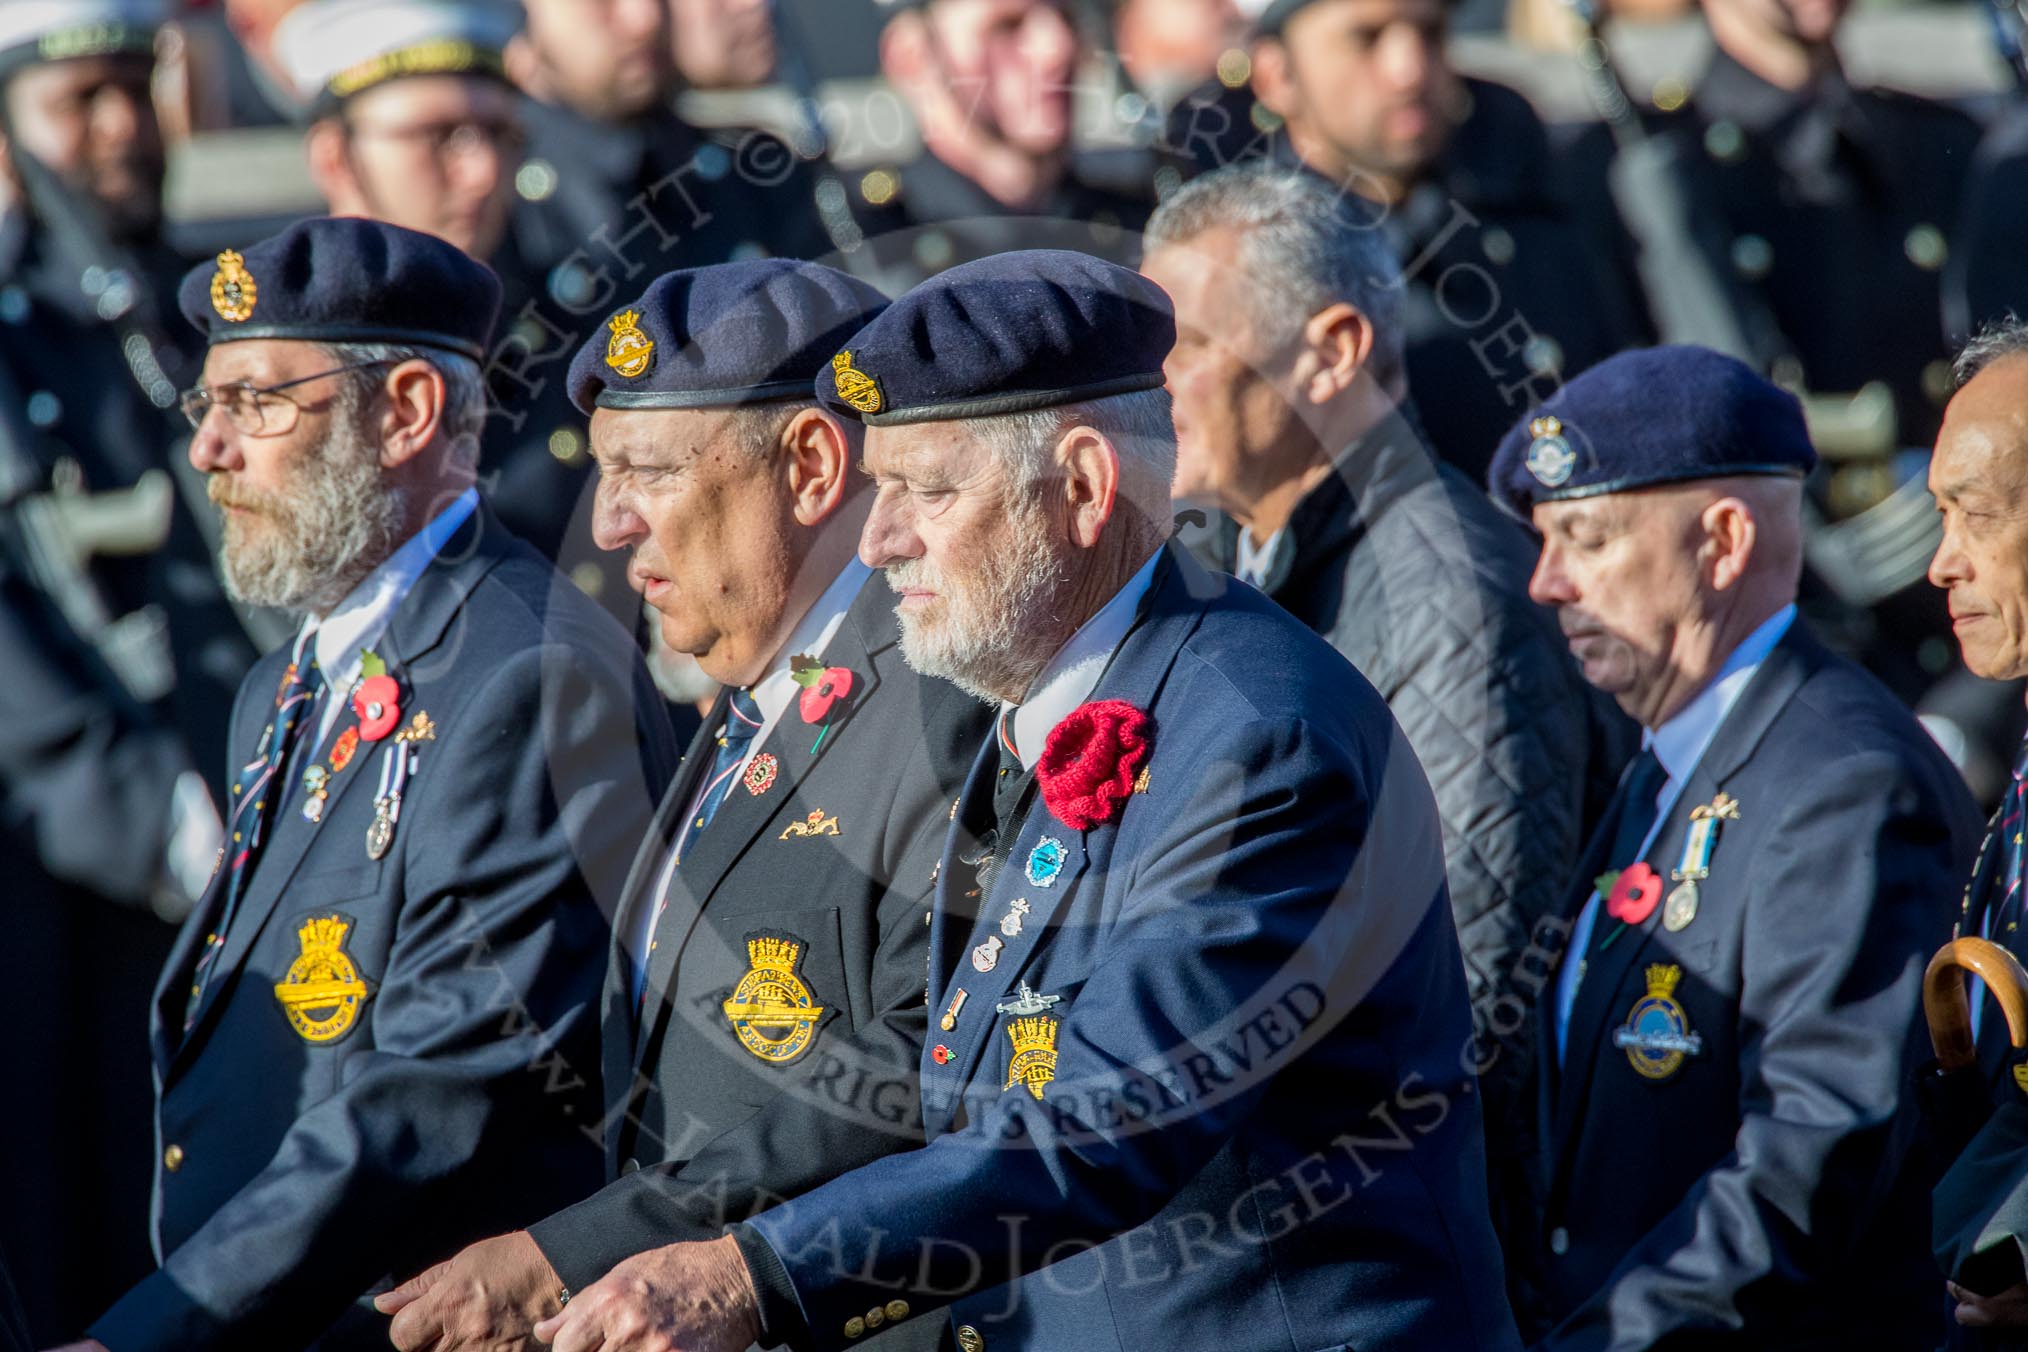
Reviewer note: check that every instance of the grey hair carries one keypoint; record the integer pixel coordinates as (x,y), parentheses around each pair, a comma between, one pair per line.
(1139,425)
(464,415)
(2006,337)
(1300,247)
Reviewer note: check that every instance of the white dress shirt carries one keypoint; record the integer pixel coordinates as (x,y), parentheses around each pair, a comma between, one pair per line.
(1679,745)
(359,621)
(1071,675)
(1252,563)
(774,693)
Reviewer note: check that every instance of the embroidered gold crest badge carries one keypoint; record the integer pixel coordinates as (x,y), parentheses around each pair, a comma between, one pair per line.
(322,993)
(1034,1063)
(629,351)
(1657,1036)
(855,387)
(771,1010)
(233,290)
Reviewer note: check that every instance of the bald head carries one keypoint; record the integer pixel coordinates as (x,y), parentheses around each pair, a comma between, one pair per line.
(1654,588)
(1979,476)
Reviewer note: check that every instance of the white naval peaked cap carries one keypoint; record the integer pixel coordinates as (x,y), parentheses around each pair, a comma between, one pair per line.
(56,30)
(333,49)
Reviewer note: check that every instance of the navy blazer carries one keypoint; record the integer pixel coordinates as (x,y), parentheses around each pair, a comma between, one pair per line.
(837,855)
(296,1169)
(1762,1184)
(1261,1133)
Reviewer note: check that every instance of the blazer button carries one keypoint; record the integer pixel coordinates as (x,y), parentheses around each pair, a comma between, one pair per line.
(875,1317)
(1559,1241)
(970,1339)
(854,1327)
(897,1309)
(632,1166)
(172,1158)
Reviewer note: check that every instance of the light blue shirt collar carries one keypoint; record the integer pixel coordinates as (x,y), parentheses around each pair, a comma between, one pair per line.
(1679,743)
(1074,672)
(357,623)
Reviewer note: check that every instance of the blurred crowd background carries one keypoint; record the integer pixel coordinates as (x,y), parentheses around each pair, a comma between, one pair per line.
(1835,196)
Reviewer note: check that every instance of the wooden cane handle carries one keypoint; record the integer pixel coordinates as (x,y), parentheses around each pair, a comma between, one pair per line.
(1947,1006)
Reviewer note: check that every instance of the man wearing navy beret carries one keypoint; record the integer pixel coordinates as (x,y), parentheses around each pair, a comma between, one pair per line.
(1201,1071)
(1723,1084)
(764,1010)
(377,1035)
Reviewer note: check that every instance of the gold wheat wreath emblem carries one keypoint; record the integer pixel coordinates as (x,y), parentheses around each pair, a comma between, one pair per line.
(855,387)
(233,291)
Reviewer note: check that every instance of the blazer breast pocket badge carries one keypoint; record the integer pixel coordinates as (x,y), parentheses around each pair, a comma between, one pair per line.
(771,1011)
(323,992)
(1656,1036)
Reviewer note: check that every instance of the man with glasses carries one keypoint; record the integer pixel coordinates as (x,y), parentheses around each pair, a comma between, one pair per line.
(377,1037)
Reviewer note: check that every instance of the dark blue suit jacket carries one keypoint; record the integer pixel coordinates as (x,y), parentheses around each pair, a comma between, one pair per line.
(1763,1187)
(463,1098)
(1262,1132)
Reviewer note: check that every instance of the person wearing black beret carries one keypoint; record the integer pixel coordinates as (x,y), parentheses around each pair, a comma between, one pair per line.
(1724,1084)
(376,1038)
(1200,1074)
(764,1009)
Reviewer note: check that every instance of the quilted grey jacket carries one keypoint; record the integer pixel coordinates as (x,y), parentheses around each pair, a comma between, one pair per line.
(1411,572)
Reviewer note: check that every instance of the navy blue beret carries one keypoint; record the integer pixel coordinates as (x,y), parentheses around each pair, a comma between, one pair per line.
(1656,415)
(1016,331)
(717,337)
(338,279)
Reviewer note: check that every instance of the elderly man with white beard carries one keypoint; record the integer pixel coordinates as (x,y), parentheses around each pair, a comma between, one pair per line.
(376,1038)
(1202,1075)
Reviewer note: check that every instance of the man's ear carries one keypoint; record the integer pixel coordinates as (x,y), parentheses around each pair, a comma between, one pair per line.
(817,458)
(1089,470)
(905,58)
(414,413)
(324,145)
(1274,83)
(1730,534)
(1336,343)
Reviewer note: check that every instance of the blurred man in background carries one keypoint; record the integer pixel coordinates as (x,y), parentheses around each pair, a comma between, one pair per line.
(1294,416)
(119,654)
(615,188)
(723,44)
(1501,302)
(991,86)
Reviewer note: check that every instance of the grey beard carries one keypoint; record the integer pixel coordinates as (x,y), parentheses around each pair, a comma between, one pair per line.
(337,523)
(990,641)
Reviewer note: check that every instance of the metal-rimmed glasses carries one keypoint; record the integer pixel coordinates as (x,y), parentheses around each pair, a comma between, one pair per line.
(257,410)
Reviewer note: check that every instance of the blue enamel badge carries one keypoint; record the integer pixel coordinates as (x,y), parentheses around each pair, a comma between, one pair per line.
(1045,861)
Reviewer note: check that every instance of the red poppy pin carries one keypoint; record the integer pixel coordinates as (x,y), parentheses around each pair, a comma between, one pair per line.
(1635,892)
(377,700)
(1091,760)
(823,688)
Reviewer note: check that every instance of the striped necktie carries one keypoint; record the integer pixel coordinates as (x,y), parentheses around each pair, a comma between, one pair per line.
(258,783)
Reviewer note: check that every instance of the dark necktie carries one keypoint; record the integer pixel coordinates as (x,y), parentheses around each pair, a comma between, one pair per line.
(1636,807)
(1011,781)
(742,723)
(255,794)
(2004,914)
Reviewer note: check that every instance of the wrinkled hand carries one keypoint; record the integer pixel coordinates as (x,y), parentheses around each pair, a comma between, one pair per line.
(2008,1310)
(684,1298)
(487,1299)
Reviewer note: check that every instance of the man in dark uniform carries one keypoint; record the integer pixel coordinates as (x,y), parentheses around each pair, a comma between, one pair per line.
(990,85)
(1191,947)
(1798,182)
(119,653)
(1725,1077)
(792,864)
(376,1037)
(616,189)
(1294,417)
(1501,300)
(1978,475)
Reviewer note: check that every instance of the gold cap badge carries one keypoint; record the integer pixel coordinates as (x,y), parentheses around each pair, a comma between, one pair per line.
(856,388)
(233,292)
(629,351)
